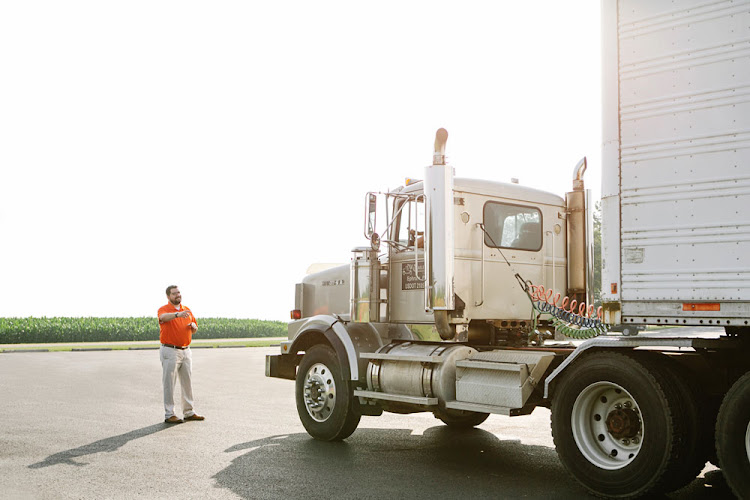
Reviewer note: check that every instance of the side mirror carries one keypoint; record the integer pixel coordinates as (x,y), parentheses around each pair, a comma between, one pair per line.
(375,242)
(370,214)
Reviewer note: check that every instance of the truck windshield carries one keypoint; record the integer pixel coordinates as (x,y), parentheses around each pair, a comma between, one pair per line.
(512,226)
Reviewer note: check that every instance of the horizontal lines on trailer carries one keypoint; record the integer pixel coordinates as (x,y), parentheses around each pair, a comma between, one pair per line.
(687,101)
(645,22)
(686,59)
(688,189)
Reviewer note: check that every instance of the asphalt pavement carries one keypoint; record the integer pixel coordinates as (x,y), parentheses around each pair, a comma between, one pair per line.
(90,425)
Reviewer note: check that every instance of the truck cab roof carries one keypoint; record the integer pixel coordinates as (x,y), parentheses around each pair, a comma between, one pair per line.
(493,188)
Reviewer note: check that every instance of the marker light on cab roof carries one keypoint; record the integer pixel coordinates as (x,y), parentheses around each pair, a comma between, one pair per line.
(410,181)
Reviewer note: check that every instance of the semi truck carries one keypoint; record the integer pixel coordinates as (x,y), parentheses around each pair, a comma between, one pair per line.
(454,303)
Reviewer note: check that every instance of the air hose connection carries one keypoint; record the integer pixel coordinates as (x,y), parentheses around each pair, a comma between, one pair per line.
(570,318)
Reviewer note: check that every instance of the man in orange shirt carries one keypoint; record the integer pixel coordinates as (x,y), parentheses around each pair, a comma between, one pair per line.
(176,328)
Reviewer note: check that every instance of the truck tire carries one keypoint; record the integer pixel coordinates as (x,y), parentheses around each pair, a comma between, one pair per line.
(325,401)
(693,445)
(460,419)
(733,437)
(614,426)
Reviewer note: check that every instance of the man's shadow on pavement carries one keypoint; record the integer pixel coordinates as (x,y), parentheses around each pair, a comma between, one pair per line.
(108,445)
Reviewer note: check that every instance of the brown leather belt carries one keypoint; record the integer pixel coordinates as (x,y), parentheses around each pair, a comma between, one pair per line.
(175,346)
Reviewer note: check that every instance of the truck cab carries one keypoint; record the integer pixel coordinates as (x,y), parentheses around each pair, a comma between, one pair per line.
(500,229)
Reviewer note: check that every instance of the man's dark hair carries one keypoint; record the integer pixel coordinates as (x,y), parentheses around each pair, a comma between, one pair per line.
(169,288)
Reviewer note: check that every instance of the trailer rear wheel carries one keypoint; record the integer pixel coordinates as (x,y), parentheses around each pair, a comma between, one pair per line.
(461,419)
(325,401)
(613,425)
(733,437)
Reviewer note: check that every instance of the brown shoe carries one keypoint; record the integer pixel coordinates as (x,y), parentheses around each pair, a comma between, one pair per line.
(173,420)
(195,417)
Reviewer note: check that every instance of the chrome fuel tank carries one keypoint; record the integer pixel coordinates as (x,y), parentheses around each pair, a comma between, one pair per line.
(405,371)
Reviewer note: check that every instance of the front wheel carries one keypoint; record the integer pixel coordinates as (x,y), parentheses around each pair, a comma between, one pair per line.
(325,401)
(614,426)
(733,437)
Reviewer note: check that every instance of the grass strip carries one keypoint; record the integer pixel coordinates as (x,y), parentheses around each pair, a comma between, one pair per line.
(124,346)
(91,329)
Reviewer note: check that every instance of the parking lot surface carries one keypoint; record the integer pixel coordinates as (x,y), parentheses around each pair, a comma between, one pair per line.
(89,425)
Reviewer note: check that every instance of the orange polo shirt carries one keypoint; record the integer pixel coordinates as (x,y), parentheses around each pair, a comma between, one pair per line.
(177,331)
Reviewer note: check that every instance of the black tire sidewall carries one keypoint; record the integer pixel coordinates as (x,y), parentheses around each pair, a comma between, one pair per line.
(331,428)
(693,423)
(731,426)
(643,473)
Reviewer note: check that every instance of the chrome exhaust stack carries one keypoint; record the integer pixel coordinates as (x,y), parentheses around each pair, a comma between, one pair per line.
(580,238)
(439,234)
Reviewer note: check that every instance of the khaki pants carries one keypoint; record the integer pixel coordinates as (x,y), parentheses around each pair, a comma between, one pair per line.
(176,362)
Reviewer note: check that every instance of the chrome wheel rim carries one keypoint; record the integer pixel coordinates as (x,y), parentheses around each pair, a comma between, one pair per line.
(607,425)
(319,392)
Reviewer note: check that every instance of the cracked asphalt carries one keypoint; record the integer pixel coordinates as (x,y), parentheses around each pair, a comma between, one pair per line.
(89,425)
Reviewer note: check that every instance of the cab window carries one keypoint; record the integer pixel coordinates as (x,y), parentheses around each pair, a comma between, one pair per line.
(410,224)
(512,226)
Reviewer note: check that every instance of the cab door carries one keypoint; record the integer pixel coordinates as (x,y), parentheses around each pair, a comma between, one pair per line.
(406,262)
(513,243)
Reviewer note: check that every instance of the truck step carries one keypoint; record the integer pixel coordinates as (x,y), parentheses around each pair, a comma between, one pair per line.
(501,379)
(396,397)
(499,410)
(488,365)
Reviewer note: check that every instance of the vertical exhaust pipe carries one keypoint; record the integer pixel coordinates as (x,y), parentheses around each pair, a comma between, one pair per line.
(578,174)
(580,238)
(439,244)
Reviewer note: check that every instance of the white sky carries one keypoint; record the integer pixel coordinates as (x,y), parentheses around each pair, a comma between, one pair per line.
(226,146)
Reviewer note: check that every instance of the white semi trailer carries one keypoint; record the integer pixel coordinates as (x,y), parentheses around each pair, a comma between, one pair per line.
(454,315)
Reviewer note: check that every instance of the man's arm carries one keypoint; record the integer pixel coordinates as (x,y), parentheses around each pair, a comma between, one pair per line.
(164,318)
(193,322)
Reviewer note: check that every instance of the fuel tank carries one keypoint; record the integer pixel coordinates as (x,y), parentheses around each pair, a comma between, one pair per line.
(402,369)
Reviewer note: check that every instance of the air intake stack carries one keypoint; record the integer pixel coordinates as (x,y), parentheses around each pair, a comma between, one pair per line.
(439,244)
(580,238)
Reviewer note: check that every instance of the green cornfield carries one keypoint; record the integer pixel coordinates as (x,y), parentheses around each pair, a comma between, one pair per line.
(50,330)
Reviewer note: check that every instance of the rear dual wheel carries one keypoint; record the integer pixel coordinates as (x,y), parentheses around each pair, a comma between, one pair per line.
(733,437)
(693,421)
(326,405)
(617,428)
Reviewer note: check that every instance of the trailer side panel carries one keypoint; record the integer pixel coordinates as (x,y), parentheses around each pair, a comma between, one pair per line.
(684,162)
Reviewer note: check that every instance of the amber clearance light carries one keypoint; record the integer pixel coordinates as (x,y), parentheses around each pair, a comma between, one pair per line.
(296,314)
(701,306)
